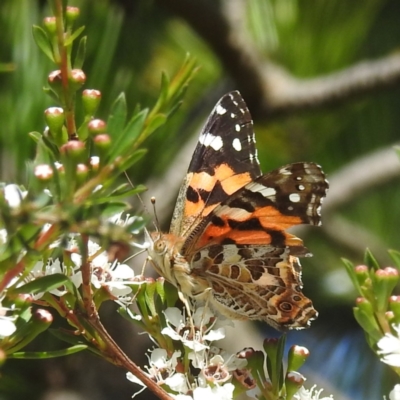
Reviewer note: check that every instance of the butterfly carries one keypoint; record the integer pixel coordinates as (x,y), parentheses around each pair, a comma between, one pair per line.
(228,242)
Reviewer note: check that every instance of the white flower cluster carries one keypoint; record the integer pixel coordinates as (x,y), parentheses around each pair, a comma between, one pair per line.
(7,325)
(310,394)
(13,196)
(115,277)
(389,348)
(216,366)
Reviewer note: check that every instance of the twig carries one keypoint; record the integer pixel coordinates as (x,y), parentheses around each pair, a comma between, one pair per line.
(86,269)
(268,88)
(361,175)
(119,358)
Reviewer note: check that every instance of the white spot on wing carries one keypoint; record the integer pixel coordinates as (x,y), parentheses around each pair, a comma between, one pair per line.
(256,156)
(220,110)
(237,128)
(264,190)
(206,139)
(294,197)
(233,212)
(237,145)
(284,171)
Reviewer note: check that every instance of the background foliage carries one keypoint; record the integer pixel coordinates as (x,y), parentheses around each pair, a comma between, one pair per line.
(130,44)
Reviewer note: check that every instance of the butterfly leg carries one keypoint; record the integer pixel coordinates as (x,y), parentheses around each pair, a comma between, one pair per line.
(146,261)
(207,294)
(186,303)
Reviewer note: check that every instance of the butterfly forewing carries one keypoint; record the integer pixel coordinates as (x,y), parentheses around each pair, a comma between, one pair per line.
(224,160)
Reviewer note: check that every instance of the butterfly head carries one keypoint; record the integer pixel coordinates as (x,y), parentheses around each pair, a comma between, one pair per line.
(162,249)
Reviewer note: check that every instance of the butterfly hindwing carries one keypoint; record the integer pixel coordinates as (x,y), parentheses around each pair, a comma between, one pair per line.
(255,282)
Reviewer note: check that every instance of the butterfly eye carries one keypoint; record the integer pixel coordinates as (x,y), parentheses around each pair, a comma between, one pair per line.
(159,246)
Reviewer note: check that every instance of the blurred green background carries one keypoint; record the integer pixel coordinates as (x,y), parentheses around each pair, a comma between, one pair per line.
(129,44)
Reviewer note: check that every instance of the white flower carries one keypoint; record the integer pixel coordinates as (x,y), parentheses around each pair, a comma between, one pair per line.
(216,365)
(177,382)
(181,396)
(160,364)
(224,392)
(114,277)
(162,370)
(7,326)
(310,394)
(183,332)
(3,236)
(395,393)
(14,195)
(136,380)
(390,348)
(55,267)
(124,219)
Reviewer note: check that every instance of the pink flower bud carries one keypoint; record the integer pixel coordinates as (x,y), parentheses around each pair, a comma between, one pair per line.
(96,126)
(49,24)
(43,172)
(43,316)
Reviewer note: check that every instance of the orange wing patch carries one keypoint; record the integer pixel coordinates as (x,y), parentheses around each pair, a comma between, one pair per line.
(200,197)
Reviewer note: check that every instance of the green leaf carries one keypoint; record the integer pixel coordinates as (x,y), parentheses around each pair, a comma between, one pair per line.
(120,196)
(160,289)
(367,323)
(350,271)
(45,284)
(171,294)
(81,53)
(126,138)
(71,338)
(397,149)
(174,108)
(127,188)
(114,208)
(27,330)
(395,256)
(36,136)
(156,122)
(370,260)
(50,92)
(137,225)
(132,317)
(117,118)
(83,131)
(43,42)
(279,362)
(149,296)
(165,82)
(48,354)
(129,161)
(74,36)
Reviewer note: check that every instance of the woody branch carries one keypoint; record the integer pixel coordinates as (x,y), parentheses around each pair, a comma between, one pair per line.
(268,88)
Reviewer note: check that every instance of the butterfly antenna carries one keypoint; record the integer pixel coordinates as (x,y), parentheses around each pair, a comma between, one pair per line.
(157,222)
(138,195)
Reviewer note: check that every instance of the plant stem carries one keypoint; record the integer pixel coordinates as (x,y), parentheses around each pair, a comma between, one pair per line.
(67,99)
